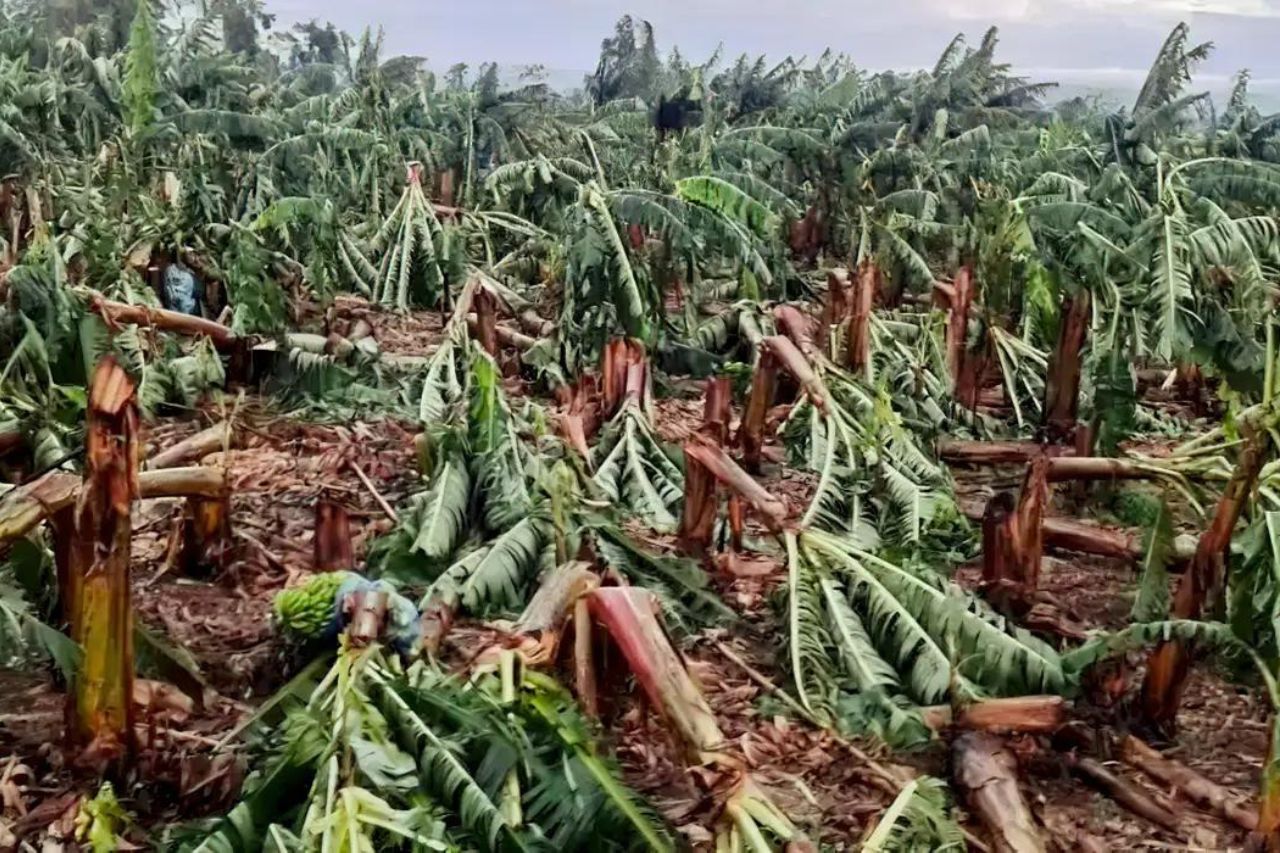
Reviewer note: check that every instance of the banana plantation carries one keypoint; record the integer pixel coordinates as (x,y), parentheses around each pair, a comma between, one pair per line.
(727,455)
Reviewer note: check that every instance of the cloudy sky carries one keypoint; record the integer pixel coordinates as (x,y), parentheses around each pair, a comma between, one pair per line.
(1104,36)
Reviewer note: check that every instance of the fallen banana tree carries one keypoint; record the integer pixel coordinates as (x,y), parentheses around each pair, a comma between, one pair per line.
(987,775)
(24,507)
(115,313)
(708,467)
(377,757)
(629,615)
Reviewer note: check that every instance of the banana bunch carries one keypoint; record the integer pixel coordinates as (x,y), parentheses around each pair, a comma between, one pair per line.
(310,611)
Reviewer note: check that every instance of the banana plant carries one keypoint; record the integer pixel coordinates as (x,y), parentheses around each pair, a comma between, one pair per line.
(380,758)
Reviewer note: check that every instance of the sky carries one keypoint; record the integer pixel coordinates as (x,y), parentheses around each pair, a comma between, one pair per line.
(1107,38)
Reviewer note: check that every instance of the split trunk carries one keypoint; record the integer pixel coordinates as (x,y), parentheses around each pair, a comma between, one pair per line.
(100,706)
(1167,666)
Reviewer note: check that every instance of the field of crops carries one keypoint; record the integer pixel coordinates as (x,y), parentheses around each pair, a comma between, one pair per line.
(726,455)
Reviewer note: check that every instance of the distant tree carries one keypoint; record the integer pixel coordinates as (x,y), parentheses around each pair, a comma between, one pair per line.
(317,44)
(455,79)
(240,22)
(629,66)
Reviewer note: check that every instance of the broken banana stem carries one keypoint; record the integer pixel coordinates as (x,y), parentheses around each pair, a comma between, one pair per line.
(629,614)
(1191,784)
(773,510)
(24,507)
(100,711)
(986,774)
(794,362)
(220,436)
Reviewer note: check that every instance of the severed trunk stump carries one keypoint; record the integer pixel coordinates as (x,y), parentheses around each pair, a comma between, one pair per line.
(1201,582)
(717,408)
(959,297)
(100,705)
(206,536)
(764,385)
(1013,539)
(332,544)
(858,342)
(1000,541)
(836,307)
(486,306)
(701,502)
(1062,384)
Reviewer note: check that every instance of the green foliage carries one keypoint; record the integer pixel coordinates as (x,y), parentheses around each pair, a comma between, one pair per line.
(102,820)
(860,623)
(917,819)
(1152,600)
(376,758)
(141,83)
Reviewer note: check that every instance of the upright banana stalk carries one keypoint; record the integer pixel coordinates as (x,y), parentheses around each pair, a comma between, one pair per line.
(1062,383)
(858,340)
(509,672)
(100,705)
(764,384)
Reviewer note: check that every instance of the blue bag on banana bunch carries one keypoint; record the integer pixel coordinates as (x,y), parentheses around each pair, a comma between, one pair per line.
(182,292)
(317,611)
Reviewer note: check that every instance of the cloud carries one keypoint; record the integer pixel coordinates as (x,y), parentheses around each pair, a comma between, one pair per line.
(566,34)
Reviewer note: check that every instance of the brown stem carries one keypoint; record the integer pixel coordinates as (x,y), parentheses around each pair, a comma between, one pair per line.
(698,517)
(958,303)
(751,432)
(1167,666)
(486,320)
(170,321)
(797,328)
(836,307)
(1031,505)
(858,343)
(999,541)
(1124,792)
(1195,787)
(629,615)
(986,774)
(1067,468)
(727,472)
(100,705)
(584,668)
(717,408)
(986,452)
(735,523)
(211,440)
(613,375)
(332,544)
(1062,383)
(794,361)
(505,335)
(21,509)
(1035,714)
